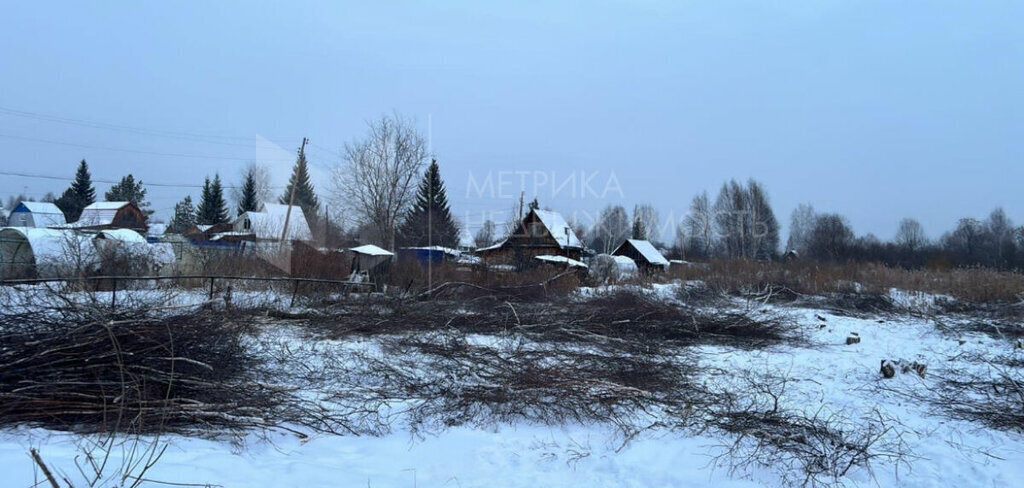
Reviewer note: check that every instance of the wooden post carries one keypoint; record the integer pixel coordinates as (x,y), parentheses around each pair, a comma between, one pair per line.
(113,297)
(291,199)
(211,288)
(295,292)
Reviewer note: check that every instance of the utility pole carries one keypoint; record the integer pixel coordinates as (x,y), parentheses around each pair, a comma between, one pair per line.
(430,230)
(327,226)
(291,199)
(522,195)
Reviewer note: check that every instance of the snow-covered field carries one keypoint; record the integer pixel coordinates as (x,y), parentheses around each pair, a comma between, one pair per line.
(825,374)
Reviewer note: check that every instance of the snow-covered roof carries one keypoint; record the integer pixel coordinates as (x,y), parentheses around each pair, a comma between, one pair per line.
(41,207)
(561,260)
(625,264)
(224,235)
(156,230)
(447,250)
(99,213)
(45,214)
(56,246)
(559,228)
(371,250)
(279,209)
(122,235)
(491,248)
(268,223)
(107,205)
(647,250)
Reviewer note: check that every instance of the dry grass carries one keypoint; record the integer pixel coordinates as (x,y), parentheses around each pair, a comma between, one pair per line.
(976,286)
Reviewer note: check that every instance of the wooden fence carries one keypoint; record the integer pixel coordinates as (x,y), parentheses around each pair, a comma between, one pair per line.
(344,285)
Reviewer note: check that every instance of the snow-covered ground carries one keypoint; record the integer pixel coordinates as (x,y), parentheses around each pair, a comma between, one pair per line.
(825,374)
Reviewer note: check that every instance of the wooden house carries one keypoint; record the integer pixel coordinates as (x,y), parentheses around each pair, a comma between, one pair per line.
(112,215)
(268,224)
(647,258)
(41,215)
(205,233)
(541,233)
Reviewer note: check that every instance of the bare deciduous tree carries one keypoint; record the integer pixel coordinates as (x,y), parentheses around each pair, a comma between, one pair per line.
(910,235)
(485,236)
(763,241)
(645,222)
(831,238)
(801,223)
(378,177)
(611,229)
(700,226)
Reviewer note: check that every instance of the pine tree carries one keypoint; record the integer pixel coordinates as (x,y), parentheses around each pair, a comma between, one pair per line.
(305,195)
(430,221)
(184,216)
(212,207)
(81,194)
(128,190)
(249,198)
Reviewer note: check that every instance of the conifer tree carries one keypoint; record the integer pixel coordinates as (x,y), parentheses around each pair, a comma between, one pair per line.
(129,190)
(639,232)
(305,195)
(212,207)
(430,221)
(184,216)
(79,195)
(249,201)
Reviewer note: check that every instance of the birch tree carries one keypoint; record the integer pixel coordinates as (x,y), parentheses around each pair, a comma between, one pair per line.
(377,179)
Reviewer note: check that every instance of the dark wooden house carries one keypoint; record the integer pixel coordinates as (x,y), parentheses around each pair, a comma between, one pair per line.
(112,215)
(647,258)
(541,233)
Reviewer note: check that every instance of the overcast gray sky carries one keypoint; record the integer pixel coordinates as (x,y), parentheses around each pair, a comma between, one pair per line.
(874,109)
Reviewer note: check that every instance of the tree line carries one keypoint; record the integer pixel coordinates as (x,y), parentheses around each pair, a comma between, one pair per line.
(384,190)
(993,242)
(386,193)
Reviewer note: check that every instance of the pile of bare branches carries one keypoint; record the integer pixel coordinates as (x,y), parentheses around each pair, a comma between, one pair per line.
(992,393)
(448,378)
(622,317)
(150,373)
(622,359)
(808,448)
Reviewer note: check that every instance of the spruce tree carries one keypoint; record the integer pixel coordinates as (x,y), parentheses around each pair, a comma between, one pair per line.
(639,232)
(249,198)
(79,195)
(430,221)
(212,207)
(129,190)
(184,216)
(305,195)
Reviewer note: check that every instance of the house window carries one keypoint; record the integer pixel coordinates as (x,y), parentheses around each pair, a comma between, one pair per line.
(536,229)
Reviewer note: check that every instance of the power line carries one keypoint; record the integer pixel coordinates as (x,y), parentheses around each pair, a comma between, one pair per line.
(133,151)
(197,137)
(113,182)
